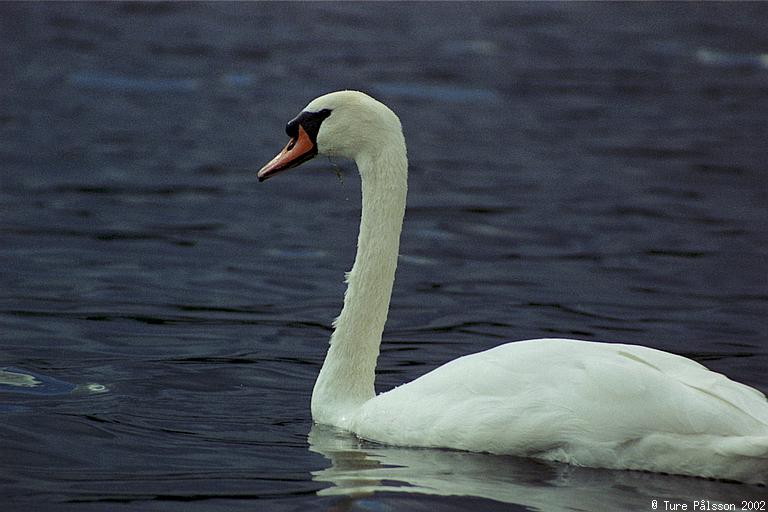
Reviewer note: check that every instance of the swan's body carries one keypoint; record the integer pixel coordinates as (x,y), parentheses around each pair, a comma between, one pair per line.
(586,403)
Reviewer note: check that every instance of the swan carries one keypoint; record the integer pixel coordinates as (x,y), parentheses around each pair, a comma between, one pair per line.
(602,405)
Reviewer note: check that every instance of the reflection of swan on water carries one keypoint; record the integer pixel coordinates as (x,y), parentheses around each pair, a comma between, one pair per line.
(361,469)
(590,404)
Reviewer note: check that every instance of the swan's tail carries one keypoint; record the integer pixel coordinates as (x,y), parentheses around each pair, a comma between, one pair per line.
(745,458)
(739,458)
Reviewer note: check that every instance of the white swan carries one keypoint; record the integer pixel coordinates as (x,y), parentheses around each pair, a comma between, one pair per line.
(592,404)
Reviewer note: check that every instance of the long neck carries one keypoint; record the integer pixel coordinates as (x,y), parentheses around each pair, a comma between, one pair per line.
(346,380)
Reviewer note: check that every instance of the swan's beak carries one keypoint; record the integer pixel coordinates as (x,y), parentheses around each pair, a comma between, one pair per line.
(298,150)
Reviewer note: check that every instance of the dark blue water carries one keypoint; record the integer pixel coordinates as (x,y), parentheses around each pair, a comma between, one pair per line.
(584,170)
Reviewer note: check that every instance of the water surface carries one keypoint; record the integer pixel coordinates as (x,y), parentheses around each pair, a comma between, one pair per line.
(594,171)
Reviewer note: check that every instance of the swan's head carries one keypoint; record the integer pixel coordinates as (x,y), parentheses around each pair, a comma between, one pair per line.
(347,124)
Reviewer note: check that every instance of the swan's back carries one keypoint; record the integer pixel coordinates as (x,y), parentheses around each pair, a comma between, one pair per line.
(593,404)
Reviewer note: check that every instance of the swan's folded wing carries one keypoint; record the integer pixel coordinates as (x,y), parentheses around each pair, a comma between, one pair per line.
(733,399)
(537,395)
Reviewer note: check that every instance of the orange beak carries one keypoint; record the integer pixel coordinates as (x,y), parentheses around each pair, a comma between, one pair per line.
(298,150)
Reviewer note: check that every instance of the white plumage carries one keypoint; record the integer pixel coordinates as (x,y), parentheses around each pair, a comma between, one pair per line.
(586,403)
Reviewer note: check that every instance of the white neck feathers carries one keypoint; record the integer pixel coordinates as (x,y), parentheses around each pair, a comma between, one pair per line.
(346,380)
